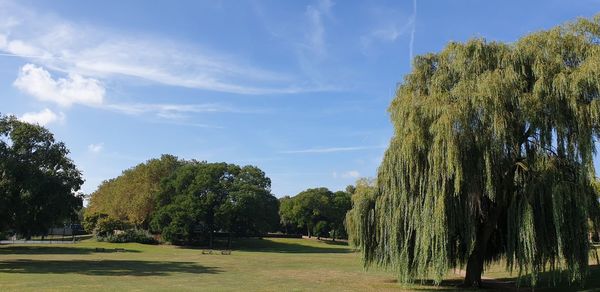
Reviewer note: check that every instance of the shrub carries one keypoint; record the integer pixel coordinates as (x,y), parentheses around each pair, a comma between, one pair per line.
(90,221)
(129,235)
(107,225)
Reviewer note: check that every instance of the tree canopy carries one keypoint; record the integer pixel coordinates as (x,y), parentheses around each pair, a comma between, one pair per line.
(38,181)
(132,195)
(491,158)
(316,211)
(201,198)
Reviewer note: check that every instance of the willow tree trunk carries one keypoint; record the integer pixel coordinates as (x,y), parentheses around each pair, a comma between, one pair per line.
(477,258)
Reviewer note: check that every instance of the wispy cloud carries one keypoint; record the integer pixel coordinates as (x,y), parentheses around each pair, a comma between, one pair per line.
(169,110)
(93,52)
(42,118)
(347,174)
(315,34)
(390,26)
(76,89)
(412,31)
(95,148)
(331,149)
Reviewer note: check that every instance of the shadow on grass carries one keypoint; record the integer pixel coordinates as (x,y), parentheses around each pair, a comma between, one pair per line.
(266,245)
(54,250)
(592,282)
(104,267)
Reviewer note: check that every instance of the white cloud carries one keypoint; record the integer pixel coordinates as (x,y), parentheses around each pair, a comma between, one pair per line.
(96,148)
(42,118)
(331,149)
(38,82)
(98,53)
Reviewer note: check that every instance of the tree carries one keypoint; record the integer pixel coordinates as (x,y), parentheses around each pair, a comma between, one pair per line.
(132,195)
(491,158)
(363,203)
(201,198)
(286,214)
(341,202)
(38,181)
(310,207)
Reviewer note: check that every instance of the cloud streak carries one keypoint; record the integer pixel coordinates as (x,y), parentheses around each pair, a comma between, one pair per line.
(412,32)
(315,35)
(60,45)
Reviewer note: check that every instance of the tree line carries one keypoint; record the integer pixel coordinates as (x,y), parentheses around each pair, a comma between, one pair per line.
(191,201)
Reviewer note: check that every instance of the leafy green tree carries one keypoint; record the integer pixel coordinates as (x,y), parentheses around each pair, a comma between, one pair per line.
(310,207)
(132,195)
(286,214)
(38,181)
(363,202)
(341,203)
(201,198)
(491,158)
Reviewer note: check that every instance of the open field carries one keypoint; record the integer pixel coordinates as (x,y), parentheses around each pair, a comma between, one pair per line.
(255,265)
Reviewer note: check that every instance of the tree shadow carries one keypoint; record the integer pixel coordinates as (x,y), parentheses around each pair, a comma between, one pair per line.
(545,281)
(266,245)
(104,267)
(57,250)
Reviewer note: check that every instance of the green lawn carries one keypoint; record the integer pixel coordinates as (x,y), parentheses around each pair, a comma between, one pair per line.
(255,265)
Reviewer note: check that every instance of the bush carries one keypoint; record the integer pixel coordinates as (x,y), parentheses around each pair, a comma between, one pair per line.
(107,225)
(129,235)
(90,220)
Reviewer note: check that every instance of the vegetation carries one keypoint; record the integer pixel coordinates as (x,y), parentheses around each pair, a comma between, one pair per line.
(129,235)
(316,212)
(491,158)
(38,181)
(363,202)
(201,198)
(131,196)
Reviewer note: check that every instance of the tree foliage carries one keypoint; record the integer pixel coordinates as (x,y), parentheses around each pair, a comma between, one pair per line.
(132,195)
(363,203)
(38,181)
(201,198)
(316,211)
(491,158)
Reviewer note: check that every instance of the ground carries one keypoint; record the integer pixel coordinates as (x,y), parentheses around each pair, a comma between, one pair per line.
(254,265)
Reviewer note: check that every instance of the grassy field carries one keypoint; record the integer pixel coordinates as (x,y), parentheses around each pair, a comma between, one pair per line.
(255,265)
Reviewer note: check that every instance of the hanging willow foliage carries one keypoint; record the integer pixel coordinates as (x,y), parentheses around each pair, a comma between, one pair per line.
(491,158)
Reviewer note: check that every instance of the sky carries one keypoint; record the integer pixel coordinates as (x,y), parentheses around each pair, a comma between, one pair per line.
(298,88)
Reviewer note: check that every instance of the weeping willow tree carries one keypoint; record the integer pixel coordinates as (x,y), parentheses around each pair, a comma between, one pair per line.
(491,159)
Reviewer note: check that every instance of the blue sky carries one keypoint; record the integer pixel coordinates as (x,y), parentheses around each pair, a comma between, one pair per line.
(298,88)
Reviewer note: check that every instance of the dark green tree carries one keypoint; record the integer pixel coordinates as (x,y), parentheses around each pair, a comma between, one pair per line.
(341,203)
(310,207)
(38,181)
(201,198)
(491,158)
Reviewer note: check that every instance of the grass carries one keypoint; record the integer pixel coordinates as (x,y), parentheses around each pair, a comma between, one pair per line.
(254,265)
